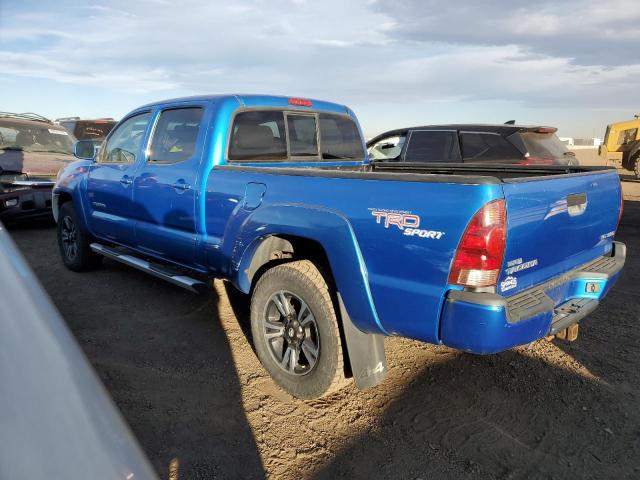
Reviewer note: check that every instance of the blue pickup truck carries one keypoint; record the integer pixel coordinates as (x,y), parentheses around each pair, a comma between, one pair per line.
(276,195)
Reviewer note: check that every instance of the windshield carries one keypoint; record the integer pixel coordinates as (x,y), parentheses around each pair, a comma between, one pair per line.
(543,145)
(35,138)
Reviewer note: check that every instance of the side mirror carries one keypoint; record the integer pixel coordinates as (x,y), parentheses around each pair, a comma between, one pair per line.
(84,150)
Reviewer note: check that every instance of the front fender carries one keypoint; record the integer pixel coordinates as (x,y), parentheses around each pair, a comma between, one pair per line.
(71,181)
(327,227)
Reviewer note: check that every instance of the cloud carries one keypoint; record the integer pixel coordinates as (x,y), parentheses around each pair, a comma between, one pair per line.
(544,54)
(587,31)
(133,80)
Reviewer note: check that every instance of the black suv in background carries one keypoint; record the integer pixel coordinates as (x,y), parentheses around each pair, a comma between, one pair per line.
(471,143)
(95,130)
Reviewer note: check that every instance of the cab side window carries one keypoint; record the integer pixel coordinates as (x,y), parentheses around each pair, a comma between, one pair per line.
(433,146)
(123,146)
(175,135)
(387,149)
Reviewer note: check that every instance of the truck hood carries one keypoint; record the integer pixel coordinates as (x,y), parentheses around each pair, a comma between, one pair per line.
(34,163)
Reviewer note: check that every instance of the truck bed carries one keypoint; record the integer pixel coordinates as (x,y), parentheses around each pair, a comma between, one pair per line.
(427,172)
(503,173)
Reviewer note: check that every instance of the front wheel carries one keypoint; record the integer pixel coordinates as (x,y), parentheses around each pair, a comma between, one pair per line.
(295,330)
(635,162)
(73,242)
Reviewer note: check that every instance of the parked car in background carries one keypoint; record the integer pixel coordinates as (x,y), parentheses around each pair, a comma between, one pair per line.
(32,151)
(95,130)
(276,195)
(472,143)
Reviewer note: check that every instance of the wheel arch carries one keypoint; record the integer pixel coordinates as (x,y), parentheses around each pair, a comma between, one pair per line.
(311,232)
(363,353)
(58,199)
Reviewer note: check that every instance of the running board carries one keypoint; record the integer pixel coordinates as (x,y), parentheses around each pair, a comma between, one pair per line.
(184,281)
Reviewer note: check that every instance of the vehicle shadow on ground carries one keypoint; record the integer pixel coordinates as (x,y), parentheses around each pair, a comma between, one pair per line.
(166,362)
(241,306)
(608,342)
(503,416)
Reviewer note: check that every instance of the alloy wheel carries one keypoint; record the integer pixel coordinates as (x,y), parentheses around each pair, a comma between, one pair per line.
(69,237)
(291,333)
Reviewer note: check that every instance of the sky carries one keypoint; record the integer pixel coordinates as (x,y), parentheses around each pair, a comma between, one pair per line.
(573,64)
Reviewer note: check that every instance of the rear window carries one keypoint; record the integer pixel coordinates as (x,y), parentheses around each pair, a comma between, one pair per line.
(543,145)
(339,138)
(433,146)
(489,147)
(261,135)
(303,135)
(258,135)
(95,130)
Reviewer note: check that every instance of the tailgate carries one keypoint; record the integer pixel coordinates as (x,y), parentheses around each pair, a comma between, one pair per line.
(555,224)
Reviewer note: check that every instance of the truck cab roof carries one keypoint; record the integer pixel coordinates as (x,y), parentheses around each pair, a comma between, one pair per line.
(258,100)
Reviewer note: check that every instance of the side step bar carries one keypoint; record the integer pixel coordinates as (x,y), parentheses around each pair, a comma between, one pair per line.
(184,281)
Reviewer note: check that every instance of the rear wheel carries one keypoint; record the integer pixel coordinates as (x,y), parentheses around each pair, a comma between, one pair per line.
(295,330)
(74,243)
(635,162)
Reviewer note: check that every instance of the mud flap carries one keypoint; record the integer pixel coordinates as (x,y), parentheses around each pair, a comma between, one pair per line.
(366,353)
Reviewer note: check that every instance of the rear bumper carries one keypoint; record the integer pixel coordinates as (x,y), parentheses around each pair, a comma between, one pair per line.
(24,203)
(488,323)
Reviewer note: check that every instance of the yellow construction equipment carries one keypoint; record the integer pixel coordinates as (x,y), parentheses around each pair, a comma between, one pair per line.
(621,146)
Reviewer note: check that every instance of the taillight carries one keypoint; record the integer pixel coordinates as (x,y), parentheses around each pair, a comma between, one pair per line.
(479,256)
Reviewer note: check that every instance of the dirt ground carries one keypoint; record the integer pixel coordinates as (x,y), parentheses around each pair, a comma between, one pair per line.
(182,371)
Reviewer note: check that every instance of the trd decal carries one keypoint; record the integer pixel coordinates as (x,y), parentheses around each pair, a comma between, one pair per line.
(406,222)
(400,220)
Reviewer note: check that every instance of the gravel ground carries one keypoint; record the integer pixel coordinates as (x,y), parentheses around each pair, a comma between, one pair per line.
(181,369)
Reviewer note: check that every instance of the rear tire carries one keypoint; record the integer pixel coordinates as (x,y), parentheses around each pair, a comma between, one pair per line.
(295,330)
(635,163)
(74,243)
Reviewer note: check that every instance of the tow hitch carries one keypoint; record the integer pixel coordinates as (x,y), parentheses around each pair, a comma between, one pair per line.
(570,334)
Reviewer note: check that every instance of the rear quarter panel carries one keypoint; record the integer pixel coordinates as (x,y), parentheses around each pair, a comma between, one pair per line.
(406,275)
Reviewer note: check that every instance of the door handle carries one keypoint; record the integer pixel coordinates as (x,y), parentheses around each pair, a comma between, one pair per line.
(126,181)
(181,185)
(576,204)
